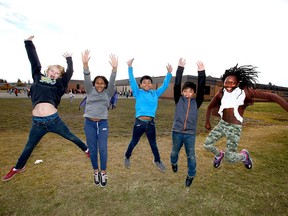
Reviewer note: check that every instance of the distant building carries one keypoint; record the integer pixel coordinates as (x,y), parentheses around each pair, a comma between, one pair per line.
(213,85)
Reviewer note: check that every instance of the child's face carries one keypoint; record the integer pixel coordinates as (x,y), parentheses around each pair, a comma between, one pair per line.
(230,83)
(146,84)
(100,84)
(188,92)
(53,73)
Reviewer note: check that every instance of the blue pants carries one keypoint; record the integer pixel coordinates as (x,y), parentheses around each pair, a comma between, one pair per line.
(40,127)
(141,127)
(188,140)
(97,139)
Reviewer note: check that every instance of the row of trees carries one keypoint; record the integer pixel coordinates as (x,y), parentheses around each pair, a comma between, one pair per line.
(4,85)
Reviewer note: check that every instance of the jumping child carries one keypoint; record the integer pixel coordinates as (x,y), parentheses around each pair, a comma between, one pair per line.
(46,93)
(146,106)
(99,92)
(230,102)
(185,118)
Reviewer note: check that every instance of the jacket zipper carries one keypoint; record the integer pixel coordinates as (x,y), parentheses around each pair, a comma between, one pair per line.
(187,113)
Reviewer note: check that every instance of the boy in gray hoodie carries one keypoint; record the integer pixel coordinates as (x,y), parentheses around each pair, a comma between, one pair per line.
(185,118)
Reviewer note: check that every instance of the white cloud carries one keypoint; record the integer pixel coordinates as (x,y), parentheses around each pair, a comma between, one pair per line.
(220,33)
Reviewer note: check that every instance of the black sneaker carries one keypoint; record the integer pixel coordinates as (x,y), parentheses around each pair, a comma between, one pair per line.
(103,179)
(189,181)
(174,167)
(217,160)
(97,178)
(248,163)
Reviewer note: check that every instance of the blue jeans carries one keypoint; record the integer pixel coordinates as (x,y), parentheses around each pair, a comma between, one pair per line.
(40,127)
(188,140)
(141,127)
(97,138)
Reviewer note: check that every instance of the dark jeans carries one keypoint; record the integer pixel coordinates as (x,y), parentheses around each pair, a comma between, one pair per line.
(97,139)
(141,127)
(41,126)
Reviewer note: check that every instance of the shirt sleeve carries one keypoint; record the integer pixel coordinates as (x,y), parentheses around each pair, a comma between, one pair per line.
(164,86)
(177,84)
(133,82)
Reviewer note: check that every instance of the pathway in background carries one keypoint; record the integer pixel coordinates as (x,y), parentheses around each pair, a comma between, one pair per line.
(22,95)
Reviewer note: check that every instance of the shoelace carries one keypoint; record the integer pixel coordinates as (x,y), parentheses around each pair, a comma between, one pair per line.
(104,177)
(96,177)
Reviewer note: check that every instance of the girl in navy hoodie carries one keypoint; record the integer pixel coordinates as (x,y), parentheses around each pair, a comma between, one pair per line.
(46,93)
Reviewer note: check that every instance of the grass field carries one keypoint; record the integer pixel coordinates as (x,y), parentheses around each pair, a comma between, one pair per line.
(63,183)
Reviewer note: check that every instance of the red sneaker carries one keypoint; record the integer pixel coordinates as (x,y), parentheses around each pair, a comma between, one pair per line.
(11,173)
(88,154)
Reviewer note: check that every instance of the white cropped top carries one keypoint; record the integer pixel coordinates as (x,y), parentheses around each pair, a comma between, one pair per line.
(233,100)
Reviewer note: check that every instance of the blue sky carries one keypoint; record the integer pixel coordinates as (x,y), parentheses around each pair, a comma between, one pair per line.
(220,33)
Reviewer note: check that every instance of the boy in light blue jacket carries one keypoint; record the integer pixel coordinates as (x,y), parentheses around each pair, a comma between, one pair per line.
(145,107)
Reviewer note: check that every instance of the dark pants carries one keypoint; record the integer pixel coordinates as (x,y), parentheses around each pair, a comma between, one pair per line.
(141,127)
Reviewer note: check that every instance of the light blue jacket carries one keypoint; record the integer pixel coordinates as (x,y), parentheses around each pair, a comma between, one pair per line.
(147,101)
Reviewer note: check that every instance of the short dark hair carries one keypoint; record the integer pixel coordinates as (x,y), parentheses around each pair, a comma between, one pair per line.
(189,84)
(146,77)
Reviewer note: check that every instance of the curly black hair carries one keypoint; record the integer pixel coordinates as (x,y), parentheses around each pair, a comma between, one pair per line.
(246,75)
(103,78)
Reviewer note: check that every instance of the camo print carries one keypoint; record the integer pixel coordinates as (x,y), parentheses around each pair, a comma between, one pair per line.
(232,132)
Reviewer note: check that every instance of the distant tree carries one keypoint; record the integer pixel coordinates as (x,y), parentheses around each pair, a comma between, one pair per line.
(19,83)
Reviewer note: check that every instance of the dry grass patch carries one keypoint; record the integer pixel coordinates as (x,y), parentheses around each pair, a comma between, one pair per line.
(63,183)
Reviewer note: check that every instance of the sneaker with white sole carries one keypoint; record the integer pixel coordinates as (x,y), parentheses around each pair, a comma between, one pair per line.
(87,153)
(103,179)
(97,178)
(248,163)
(12,173)
(160,165)
(217,160)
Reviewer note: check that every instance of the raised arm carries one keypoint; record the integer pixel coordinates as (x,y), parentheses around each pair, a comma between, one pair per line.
(178,79)
(32,56)
(114,63)
(132,79)
(166,81)
(87,77)
(201,84)
(69,71)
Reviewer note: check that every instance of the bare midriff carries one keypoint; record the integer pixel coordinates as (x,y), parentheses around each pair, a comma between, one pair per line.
(145,118)
(44,109)
(228,116)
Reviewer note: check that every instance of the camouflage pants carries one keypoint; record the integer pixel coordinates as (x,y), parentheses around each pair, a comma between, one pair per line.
(232,132)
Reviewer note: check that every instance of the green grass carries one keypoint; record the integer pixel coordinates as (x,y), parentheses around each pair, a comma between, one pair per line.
(63,183)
